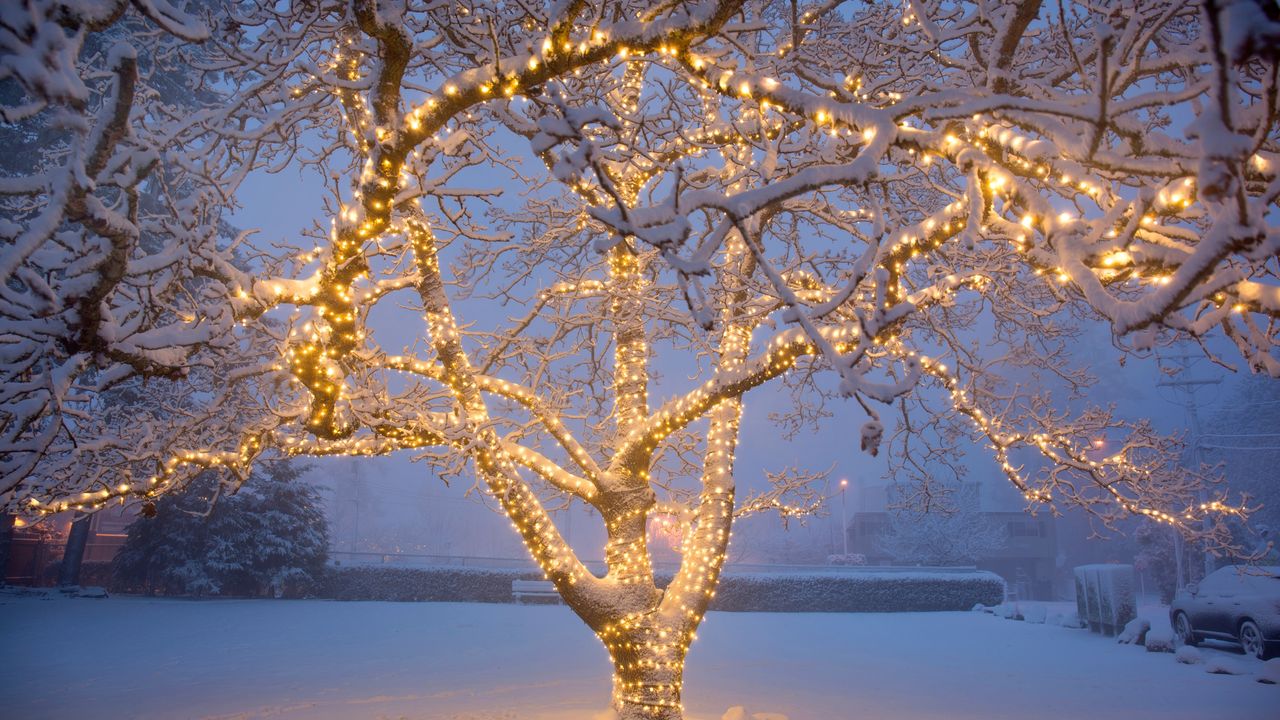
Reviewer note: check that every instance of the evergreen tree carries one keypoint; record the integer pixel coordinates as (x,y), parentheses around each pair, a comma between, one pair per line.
(269,538)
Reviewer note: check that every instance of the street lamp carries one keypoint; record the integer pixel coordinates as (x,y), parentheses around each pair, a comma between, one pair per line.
(844,522)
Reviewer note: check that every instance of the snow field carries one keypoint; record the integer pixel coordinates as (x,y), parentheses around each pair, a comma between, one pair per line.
(151,659)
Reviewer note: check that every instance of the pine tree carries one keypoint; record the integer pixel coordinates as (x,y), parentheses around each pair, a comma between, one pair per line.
(269,538)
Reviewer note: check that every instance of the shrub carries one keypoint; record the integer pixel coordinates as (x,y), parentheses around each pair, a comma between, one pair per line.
(436,584)
(857,592)
(771,592)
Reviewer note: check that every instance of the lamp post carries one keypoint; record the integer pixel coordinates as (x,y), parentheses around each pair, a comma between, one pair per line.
(844,522)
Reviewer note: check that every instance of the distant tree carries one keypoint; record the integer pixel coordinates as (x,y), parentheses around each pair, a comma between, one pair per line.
(1244,436)
(1157,556)
(939,534)
(269,538)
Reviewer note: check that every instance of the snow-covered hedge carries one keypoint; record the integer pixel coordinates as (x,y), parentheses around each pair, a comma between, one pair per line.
(857,592)
(764,592)
(436,584)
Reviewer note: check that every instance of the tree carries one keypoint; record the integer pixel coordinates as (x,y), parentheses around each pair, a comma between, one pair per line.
(958,534)
(1159,552)
(113,240)
(917,208)
(269,538)
(131,208)
(1242,436)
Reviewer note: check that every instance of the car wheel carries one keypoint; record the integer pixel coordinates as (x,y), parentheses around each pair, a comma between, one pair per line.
(1182,629)
(1251,640)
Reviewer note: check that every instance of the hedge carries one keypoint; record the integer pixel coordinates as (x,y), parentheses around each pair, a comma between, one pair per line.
(437,584)
(765,592)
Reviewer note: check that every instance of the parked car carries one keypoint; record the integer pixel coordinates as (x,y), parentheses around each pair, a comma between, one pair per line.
(1238,603)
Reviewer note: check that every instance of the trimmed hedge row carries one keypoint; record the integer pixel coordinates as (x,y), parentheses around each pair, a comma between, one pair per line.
(437,584)
(814,592)
(861,592)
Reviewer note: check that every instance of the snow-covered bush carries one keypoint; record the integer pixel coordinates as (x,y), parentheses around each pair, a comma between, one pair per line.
(1188,655)
(861,592)
(780,592)
(1158,640)
(270,538)
(432,584)
(1134,632)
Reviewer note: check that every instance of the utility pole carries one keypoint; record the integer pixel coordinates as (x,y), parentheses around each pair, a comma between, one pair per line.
(1186,387)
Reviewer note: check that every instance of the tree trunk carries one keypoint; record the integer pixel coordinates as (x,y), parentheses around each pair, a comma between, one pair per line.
(648,671)
(73,556)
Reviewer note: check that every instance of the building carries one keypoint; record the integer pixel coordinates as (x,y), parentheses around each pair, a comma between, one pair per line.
(35,550)
(1028,561)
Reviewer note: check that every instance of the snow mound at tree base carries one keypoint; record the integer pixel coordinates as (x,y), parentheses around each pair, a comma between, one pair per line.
(737,712)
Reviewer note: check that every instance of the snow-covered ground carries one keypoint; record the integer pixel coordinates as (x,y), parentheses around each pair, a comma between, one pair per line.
(288,660)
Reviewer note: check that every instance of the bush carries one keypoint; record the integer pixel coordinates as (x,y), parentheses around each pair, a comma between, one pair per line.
(857,592)
(437,584)
(1159,641)
(815,592)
